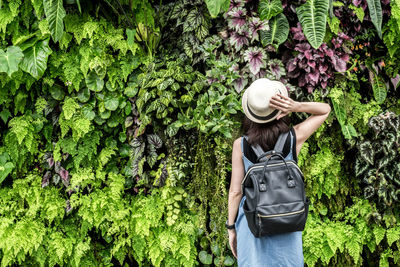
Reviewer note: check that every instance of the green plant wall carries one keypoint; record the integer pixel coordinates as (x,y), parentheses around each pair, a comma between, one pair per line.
(118,119)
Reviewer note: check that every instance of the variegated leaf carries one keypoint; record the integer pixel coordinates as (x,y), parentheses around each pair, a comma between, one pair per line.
(367,152)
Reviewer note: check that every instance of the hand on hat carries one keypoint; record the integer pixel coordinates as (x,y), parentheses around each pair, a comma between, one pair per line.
(283,103)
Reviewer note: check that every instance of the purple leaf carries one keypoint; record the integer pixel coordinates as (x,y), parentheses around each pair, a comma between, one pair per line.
(50,161)
(46,179)
(64,176)
(395,81)
(298,33)
(260,74)
(329,53)
(322,68)
(236,3)
(238,40)
(239,84)
(308,54)
(302,47)
(236,18)
(314,76)
(302,80)
(276,69)
(291,65)
(256,25)
(344,37)
(311,64)
(303,64)
(345,57)
(255,57)
(339,64)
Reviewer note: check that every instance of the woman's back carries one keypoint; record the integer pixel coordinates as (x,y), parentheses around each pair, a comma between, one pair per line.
(276,250)
(264,108)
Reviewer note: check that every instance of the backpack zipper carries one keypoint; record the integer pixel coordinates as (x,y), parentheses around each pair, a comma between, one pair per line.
(281,214)
(276,164)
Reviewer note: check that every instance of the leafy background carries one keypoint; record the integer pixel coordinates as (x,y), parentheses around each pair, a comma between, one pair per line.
(118,118)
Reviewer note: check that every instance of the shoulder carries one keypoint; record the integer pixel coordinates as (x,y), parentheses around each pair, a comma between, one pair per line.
(237,145)
(237,142)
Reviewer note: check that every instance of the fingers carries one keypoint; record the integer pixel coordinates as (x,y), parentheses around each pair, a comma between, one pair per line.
(234,252)
(283,96)
(283,114)
(233,245)
(278,104)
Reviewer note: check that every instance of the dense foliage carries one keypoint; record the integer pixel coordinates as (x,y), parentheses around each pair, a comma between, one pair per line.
(118,118)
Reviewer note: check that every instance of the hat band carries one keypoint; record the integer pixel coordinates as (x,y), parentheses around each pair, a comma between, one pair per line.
(271,115)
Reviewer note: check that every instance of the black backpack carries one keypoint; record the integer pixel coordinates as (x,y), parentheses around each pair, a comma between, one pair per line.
(275,196)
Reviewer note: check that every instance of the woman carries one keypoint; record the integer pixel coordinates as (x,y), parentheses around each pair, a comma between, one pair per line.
(266,106)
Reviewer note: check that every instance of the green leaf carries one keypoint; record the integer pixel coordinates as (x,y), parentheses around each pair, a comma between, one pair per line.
(229,261)
(205,258)
(392,235)
(375,12)
(172,129)
(334,23)
(131,36)
(5,166)
(131,90)
(35,58)
(10,59)
(359,11)
(312,16)
(340,110)
(84,94)
(5,114)
(379,234)
(379,88)
(94,82)
(215,6)
(278,31)
(88,112)
(349,131)
(111,103)
(268,9)
(57,92)
(215,249)
(55,14)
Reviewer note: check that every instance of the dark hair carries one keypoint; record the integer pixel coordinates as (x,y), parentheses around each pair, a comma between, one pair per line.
(265,134)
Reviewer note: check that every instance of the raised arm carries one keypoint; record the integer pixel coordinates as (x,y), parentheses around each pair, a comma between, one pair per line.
(303,130)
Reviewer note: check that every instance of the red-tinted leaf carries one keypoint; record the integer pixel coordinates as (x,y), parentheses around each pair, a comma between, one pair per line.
(46,179)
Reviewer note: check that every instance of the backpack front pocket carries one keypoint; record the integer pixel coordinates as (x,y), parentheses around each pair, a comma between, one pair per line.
(280,218)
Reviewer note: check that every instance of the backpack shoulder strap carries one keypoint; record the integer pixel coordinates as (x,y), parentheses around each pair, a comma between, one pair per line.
(281,141)
(257,148)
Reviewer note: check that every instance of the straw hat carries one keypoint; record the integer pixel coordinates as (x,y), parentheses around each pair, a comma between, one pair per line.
(255,100)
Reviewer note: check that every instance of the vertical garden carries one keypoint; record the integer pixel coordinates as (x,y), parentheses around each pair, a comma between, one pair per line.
(118,118)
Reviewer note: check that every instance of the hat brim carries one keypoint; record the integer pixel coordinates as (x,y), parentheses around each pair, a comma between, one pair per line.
(253,117)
